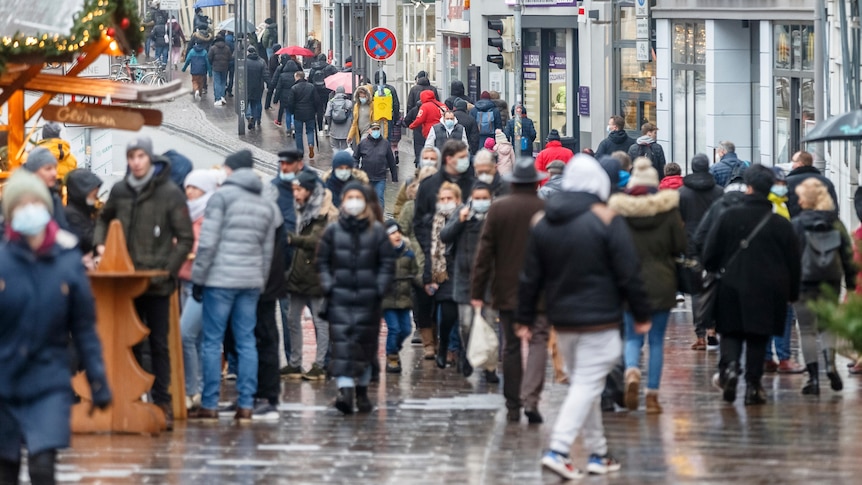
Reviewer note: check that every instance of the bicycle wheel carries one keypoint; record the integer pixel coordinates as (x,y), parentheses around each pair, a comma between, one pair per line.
(149,79)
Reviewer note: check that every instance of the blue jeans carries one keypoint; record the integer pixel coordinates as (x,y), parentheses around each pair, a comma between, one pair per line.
(240,307)
(379,187)
(361,381)
(286,115)
(219,80)
(309,132)
(191,326)
(162,54)
(399,326)
(634,343)
(284,306)
(253,109)
(782,344)
(455,339)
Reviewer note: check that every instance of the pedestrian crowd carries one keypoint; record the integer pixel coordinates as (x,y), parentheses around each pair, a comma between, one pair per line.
(566,254)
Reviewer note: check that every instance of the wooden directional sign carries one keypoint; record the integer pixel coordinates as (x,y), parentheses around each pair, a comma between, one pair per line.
(117,117)
(380,43)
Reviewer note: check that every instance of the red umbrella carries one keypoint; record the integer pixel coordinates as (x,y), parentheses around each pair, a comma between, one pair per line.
(295,50)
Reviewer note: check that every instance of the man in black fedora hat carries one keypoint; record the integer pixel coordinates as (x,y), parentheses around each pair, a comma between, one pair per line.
(502,246)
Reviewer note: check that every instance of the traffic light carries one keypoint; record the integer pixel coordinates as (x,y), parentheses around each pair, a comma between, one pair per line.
(505,29)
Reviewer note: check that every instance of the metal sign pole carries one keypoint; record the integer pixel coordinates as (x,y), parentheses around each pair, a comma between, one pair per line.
(239,64)
(519,75)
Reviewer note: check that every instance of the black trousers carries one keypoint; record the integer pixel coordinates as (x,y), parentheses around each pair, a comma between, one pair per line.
(268,101)
(755,352)
(40,466)
(513,370)
(154,312)
(447,318)
(423,309)
(418,145)
(266,334)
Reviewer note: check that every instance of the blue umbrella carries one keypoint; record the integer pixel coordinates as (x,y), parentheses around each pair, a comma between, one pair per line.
(209,3)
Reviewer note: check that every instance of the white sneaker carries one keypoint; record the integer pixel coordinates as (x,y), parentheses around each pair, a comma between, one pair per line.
(561,465)
(217,103)
(198,95)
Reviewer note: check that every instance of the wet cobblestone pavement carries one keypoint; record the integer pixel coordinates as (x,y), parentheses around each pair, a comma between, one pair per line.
(432,426)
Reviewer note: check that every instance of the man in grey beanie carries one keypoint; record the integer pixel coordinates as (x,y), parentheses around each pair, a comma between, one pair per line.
(42,163)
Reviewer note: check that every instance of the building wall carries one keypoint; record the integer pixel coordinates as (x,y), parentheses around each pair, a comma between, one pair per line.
(728,93)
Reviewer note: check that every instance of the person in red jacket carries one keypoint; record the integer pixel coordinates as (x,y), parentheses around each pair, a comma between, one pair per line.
(554,150)
(672,177)
(430,113)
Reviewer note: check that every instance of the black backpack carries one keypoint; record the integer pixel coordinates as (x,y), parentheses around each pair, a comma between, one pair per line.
(821,258)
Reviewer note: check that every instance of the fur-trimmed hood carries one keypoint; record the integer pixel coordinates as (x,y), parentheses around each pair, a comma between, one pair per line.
(644,205)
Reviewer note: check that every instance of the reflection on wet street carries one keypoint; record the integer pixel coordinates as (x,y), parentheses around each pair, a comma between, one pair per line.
(434,427)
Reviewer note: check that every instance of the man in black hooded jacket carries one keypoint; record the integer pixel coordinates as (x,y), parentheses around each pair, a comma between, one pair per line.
(422,84)
(617,140)
(466,120)
(456,90)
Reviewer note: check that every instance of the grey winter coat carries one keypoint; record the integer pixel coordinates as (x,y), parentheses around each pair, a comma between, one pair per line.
(237,237)
(339,131)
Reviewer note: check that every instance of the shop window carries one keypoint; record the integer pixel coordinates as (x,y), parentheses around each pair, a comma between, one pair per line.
(635,80)
(794,87)
(688,59)
(420,39)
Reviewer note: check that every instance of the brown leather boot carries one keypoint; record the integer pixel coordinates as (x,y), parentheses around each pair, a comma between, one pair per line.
(169,416)
(428,343)
(652,405)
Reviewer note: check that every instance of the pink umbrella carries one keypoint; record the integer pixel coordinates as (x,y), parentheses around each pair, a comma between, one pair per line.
(295,50)
(341,79)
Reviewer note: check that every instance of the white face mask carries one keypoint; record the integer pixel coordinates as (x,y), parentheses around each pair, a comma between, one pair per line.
(343,173)
(427,162)
(446,208)
(481,206)
(30,219)
(717,157)
(91,202)
(353,207)
(485,178)
(463,165)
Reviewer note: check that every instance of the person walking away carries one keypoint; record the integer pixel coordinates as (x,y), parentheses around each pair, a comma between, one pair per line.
(48,297)
(502,107)
(456,92)
(154,16)
(441,262)
(60,148)
(520,123)
(802,169)
(314,211)
(374,156)
(220,56)
(273,63)
(356,265)
(447,129)
(697,194)
(82,188)
(672,177)
(231,268)
(646,146)
(617,140)
(199,62)
(429,114)
(159,39)
(283,84)
(505,153)
(302,103)
(178,40)
(462,233)
(205,38)
(342,173)
(554,150)
(313,45)
(555,182)
(159,236)
(41,162)
(502,247)
(256,74)
(727,165)
(827,256)
(398,301)
(486,172)
(582,259)
(320,70)
(469,124)
(757,253)
(362,115)
(487,117)
(422,84)
(339,118)
(659,237)
(269,39)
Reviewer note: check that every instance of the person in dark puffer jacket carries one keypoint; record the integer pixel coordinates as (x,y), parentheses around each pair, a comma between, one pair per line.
(220,56)
(302,101)
(398,302)
(82,189)
(284,79)
(356,264)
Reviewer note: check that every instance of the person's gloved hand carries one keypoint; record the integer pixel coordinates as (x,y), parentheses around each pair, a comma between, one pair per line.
(198,293)
(101,396)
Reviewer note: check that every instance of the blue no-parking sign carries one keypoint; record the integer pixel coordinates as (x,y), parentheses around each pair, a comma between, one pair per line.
(380,43)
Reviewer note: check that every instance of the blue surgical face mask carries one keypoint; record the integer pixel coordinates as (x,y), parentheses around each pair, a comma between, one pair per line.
(481,206)
(449,124)
(30,219)
(779,190)
(375,134)
(287,177)
(343,173)
(363,100)
(463,165)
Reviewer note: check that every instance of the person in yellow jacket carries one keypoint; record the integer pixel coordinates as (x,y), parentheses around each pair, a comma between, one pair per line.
(363,116)
(778,194)
(66,162)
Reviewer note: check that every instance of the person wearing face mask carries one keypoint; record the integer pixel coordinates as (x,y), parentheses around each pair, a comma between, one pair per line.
(554,150)
(428,157)
(486,172)
(343,172)
(339,118)
(374,156)
(46,296)
(362,115)
(618,139)
(43,163)
(82,189)
(398,301)
(462,233)
(356,265)
(441,266)
(469,123)
(447,129)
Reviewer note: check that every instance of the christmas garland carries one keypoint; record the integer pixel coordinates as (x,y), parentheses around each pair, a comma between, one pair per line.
(117,19)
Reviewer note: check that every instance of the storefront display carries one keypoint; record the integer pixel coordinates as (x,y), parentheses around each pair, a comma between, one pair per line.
(635,87)
(794,87)
(688,64)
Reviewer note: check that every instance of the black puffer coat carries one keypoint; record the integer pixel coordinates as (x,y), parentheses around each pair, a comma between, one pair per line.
(302,101)
(81,217)
(283,80)
(696,195)
(220,55)
(463,237)
(257,73)
(422,84)
(356,263)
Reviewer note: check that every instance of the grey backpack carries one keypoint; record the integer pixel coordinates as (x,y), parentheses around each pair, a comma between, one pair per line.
(821,258)
(340,110)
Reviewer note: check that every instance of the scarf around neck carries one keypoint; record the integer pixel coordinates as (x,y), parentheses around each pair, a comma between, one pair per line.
(198,206)
(310,210)
(137,184)
(439,272)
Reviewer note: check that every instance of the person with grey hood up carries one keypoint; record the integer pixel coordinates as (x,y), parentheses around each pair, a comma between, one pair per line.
(581,258)
(231,268)
(339,118)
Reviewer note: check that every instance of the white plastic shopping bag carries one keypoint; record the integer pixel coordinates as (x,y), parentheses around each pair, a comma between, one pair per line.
(483,341)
